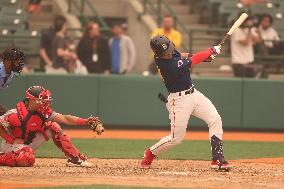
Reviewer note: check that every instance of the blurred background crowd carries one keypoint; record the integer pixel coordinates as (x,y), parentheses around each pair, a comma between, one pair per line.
(112,36)
(94,52)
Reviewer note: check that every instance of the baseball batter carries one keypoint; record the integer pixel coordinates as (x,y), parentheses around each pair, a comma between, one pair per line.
(11,63)
(32,123)
(185,100)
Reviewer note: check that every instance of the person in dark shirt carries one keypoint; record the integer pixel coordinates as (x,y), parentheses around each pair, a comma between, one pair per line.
(93,50)
(47,35)
(61,56)
(184,100)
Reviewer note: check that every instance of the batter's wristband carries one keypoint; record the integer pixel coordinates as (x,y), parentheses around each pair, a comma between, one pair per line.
(8,138)
(81,121)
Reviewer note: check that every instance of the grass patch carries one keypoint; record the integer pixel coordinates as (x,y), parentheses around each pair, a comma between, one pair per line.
(195,150)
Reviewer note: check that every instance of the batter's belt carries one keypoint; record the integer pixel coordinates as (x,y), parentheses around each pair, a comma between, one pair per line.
(185,92)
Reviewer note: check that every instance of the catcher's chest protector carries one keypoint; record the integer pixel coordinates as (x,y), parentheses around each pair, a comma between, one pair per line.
(25,124)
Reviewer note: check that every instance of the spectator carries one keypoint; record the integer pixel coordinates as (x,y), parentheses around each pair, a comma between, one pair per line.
(47,36)
(93,50)
(168,30)
(242,49)
(251,2)
(74,65)
(62,58)
(122,51)
(34,5)
(267,33)
(125,28)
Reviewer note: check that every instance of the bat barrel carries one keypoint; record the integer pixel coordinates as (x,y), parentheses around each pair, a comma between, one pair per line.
(237,24)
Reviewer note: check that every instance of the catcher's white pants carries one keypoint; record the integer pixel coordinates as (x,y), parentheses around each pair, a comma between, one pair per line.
(180,108)
(38,141)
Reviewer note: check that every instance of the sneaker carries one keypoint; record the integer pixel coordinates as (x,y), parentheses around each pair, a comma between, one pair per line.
(78,163)
(215,164)
(147,160)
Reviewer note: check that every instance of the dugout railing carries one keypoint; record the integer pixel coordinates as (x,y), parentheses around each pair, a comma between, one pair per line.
(78,7)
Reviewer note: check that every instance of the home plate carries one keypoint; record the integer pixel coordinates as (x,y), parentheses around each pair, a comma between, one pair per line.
(175,173)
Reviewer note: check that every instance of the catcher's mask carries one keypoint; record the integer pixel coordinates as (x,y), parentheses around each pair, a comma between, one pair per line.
(16,56)
(161,45)
(42,97)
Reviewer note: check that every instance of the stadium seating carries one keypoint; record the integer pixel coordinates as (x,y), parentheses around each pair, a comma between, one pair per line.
(12,15)
(14,32)
(14,28)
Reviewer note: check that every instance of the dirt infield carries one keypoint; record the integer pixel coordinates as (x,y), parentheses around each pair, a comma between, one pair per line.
(165,173)
(192,135)
(247,174)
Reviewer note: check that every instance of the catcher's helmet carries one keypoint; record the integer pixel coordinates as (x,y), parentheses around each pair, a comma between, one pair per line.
(161,45)
(16,56)
(42,96)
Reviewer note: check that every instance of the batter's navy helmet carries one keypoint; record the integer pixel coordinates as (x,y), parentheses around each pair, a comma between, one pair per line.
(161,45)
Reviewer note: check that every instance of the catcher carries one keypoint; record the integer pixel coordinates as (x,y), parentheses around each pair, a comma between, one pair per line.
(32,123)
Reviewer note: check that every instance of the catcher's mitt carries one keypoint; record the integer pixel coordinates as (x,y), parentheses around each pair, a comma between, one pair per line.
(96,125)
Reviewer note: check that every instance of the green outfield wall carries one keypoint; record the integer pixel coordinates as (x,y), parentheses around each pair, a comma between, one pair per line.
(132,100)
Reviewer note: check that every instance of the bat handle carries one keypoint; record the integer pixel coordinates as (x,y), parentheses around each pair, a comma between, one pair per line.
(223,40)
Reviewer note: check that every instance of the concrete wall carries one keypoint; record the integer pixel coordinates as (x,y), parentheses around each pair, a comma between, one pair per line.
(132,100)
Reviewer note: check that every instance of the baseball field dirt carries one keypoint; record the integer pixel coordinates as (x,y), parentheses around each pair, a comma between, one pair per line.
(192,174)
(165,173)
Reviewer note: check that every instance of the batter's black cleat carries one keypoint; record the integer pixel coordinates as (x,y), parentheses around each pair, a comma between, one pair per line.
(218,160)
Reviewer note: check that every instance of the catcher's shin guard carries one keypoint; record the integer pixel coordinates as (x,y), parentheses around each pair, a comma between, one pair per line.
(21,158)
(218,160)
(63,142)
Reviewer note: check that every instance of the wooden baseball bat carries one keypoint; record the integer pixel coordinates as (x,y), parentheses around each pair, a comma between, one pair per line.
(236,25)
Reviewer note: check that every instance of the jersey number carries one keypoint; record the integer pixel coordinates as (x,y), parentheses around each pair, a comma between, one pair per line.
(180,63)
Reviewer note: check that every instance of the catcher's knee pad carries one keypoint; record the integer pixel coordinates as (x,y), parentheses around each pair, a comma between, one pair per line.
(21,158)
(53,127)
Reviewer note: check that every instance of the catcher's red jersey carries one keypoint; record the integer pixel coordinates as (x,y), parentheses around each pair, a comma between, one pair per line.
(24,124)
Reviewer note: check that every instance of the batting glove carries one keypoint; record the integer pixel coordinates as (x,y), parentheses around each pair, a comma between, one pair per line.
(216,49)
